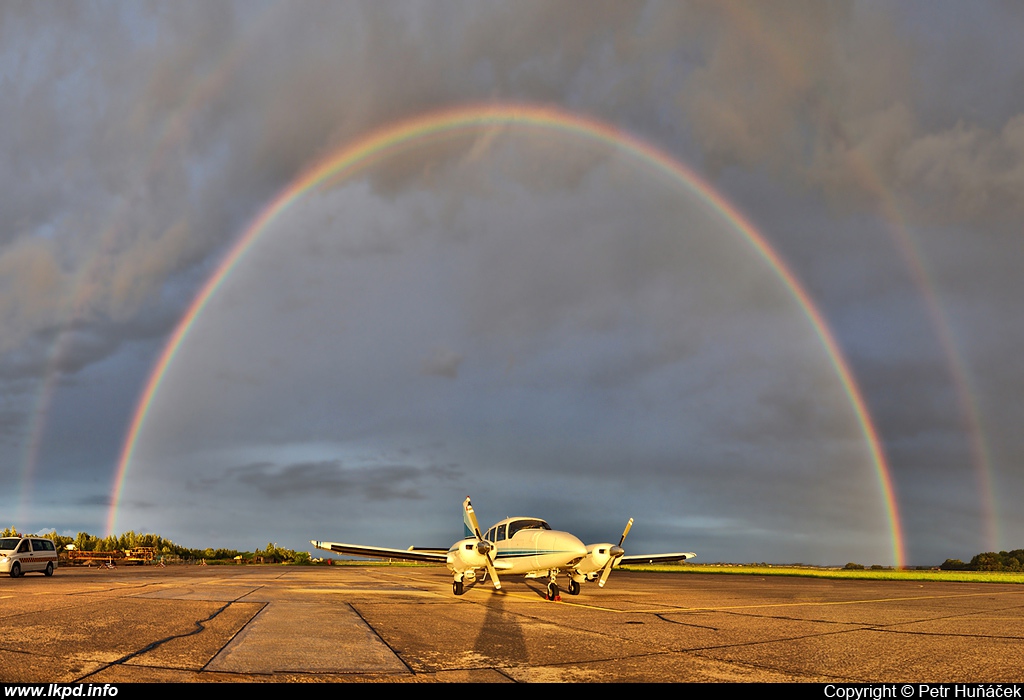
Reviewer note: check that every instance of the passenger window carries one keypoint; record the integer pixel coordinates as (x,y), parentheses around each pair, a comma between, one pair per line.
(501,533)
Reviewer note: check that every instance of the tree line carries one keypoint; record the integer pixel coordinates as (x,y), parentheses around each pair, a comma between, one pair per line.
(272,554)
(164,547)
(989,561)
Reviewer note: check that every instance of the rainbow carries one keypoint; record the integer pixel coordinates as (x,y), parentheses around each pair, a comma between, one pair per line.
(378,144)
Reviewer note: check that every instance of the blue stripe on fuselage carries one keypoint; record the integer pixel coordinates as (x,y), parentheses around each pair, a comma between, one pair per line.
(529,553)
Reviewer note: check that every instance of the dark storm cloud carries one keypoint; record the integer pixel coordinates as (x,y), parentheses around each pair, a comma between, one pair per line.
(65,350)
(139,141)
(333,480)
(443,363)
(196,86)
(108,179)
(99,500)
(12,421)
(824,94)
(912,396)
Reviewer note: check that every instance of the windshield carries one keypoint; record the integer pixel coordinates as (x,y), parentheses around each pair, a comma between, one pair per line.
(518,525)
(9,543)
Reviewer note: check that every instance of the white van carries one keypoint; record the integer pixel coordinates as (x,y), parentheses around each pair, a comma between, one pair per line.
(20,555)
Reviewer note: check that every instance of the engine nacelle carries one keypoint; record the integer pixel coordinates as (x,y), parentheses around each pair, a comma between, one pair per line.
(596,559)
(466,556)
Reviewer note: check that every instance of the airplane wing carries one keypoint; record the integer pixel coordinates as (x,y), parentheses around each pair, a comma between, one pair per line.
(434,550)
(435,556)
(656,558)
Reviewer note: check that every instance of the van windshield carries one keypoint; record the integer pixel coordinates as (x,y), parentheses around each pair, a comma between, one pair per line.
(7,543)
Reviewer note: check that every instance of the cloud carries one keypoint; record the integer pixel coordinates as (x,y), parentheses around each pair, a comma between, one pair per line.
(443,363)
(100,500)
(968,171)
(31,287)
(139,144)
(331,479)
(825,95)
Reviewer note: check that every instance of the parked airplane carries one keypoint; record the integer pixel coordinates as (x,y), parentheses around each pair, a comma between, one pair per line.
(525,546)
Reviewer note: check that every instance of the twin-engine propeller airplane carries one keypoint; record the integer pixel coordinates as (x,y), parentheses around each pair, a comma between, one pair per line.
(526,546)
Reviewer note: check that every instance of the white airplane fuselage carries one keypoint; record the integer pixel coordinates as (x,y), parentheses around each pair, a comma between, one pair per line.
(533,548)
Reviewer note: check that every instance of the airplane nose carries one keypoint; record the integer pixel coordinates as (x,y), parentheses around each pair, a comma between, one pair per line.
(563,542)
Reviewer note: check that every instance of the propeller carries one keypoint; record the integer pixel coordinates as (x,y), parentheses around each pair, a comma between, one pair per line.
(482,546)
(614,554)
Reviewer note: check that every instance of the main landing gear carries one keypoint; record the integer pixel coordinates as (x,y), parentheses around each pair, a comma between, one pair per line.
(553,592)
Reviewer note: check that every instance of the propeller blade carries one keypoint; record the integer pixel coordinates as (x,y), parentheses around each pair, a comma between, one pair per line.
(605,573)
(471,514)
(492,573)
(472,520)
(626,531)
(614,555)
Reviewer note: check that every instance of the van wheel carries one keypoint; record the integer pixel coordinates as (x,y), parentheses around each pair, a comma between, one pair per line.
(15,570)
(49,569)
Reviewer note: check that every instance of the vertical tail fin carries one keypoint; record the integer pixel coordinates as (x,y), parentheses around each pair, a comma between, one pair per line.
(467,525)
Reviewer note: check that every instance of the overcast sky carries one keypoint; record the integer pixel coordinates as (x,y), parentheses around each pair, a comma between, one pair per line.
(520,312)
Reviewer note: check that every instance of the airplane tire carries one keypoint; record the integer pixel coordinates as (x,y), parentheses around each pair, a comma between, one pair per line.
(574,587)
(457,588)
(552,591)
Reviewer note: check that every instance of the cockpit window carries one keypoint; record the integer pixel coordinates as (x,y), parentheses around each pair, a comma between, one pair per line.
(501,533)
(518,525)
